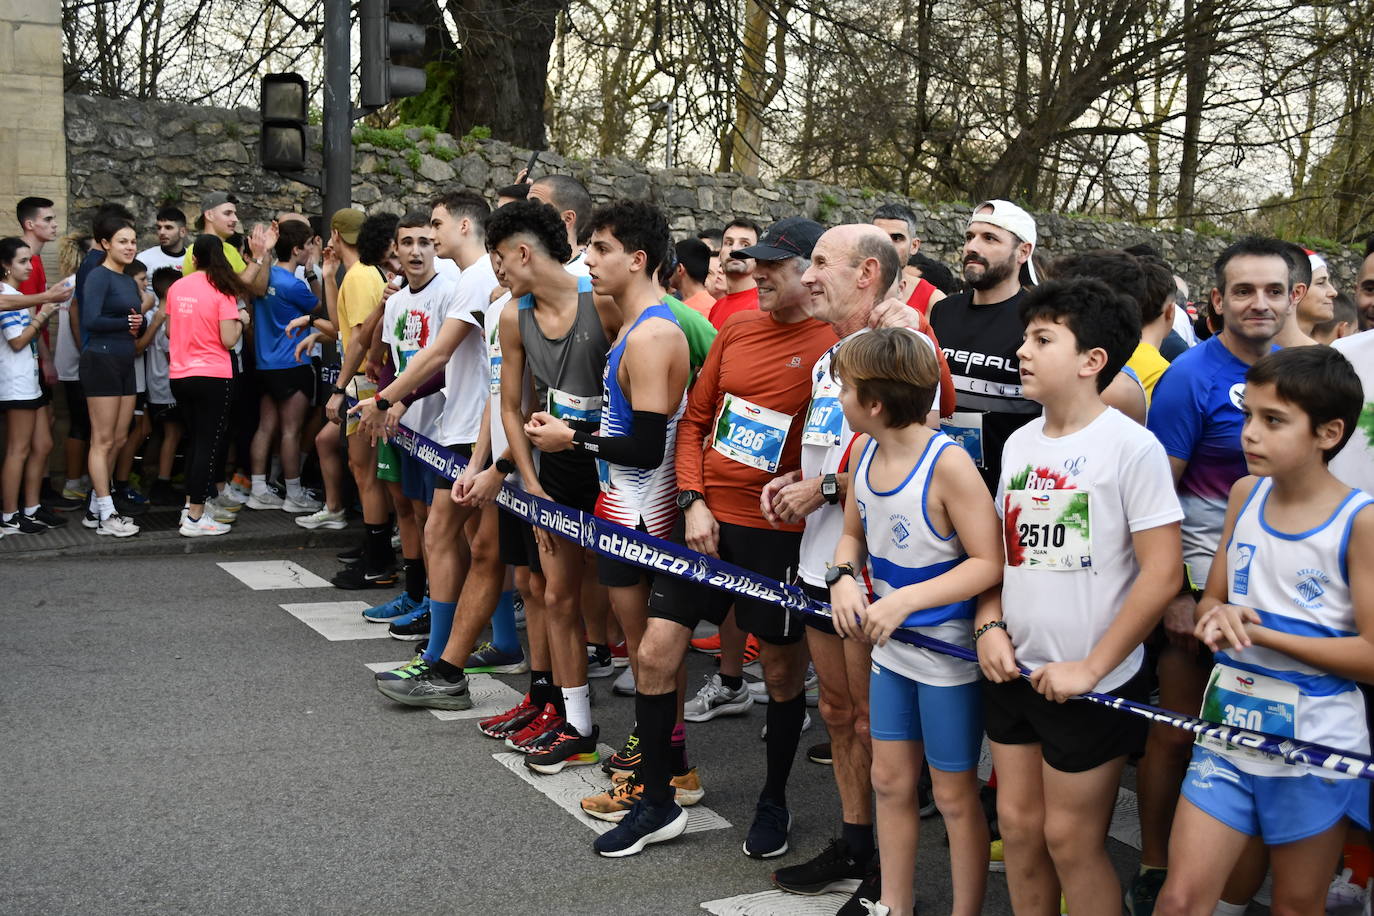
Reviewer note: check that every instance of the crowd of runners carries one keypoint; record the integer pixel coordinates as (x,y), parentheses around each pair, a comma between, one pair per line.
(1056,460)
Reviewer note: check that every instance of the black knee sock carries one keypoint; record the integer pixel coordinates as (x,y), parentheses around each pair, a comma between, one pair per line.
(655,715)
(731,681)
(556,698)
(859,839)
(377,552)
(415,578)
(784,720)
(541,687)
(446,670)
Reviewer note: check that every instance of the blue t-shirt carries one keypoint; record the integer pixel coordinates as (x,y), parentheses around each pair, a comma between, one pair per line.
(288,297)
(1196,415)
(107,300)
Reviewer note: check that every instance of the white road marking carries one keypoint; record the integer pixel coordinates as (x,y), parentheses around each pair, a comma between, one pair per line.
(336,620)
(489,696)
(776,903)
(568,788)
(268,574)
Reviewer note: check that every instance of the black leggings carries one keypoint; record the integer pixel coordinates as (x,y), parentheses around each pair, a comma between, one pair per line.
(204,404)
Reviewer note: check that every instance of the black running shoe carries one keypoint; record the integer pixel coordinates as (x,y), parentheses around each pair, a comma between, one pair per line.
(20,523)
(820,753)
(356,577)
(130,503)
(64,503)
(835,869)
(47,518)
(411,631)
(768,834)
(625,760)
(351,555)
(569,748)
(865,899)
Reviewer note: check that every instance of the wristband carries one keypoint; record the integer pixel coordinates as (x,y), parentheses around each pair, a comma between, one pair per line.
(995,624)
(505,466)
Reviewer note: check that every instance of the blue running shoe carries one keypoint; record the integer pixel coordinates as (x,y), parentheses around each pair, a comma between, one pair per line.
(768,834)
(487,659)
(644,824)
(397,607)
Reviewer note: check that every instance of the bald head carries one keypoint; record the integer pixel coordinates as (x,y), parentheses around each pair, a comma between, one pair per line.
(852,268)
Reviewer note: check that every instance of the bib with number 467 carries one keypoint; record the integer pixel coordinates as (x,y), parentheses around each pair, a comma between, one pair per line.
(1049,529)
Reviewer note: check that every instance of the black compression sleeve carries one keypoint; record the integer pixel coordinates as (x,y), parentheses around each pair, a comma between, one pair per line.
(642,448)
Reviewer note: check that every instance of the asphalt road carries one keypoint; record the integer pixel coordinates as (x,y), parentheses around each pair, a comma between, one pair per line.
(174,741)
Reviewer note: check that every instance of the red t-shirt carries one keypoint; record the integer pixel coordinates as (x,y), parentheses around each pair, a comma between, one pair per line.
(731,303)
(920,296)
(194,311)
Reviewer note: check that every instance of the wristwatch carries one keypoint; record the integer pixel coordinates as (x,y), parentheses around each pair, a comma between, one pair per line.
(382,403)
(687,497)
(505,466)
(830,488)
(337,390)
(838,571)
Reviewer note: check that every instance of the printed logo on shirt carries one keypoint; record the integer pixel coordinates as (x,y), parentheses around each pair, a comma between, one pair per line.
(1240,581)
(1237,395)
(794,362)
(900,531)
(1311,586)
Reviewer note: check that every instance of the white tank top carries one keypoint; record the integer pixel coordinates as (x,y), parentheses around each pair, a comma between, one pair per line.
(904,549)
(1298,583)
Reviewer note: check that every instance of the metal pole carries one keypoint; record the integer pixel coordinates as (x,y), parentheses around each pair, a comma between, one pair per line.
(338,109)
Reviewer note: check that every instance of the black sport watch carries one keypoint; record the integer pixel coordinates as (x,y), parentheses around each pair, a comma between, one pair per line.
(687,497)
(505,465)
(837,572)
(830,488)
(382,403)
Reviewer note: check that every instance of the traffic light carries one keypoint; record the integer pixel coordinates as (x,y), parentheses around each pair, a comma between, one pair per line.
(282,105)
(380,39)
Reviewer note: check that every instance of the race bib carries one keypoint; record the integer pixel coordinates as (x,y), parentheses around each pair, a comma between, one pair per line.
(750,434)
(494,365)
(1243,699)
(574,407)
(966,428)
(824,421)
(1048,530)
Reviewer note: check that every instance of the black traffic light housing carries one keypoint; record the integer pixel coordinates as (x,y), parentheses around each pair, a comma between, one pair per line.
(380,39)
(282,104)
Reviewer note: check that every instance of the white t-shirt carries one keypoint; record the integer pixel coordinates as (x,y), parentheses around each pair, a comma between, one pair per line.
(825,437)
(18,368)
(1069,506)
(467,377)
(445,267)
(154,258)
(66,355)
(1354,464)
(409,324)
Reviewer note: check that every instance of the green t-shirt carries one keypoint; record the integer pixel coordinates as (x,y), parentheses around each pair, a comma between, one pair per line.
(698,331)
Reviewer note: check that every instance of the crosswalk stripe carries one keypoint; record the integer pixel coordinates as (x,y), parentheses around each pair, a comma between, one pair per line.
(776,903)
(260,575)
(336,620)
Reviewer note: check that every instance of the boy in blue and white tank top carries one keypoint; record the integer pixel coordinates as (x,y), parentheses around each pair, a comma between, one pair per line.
(1288,612)
(930,551)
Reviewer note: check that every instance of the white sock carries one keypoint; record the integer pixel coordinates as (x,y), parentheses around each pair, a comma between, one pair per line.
(259,484)
(1230,909)
(294,490)
(8,516)
(577,701)
(72,483)
(104,507)
(30,510)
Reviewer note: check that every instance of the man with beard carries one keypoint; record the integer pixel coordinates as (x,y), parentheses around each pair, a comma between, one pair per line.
(980,332)
(1364,287)
(740,292)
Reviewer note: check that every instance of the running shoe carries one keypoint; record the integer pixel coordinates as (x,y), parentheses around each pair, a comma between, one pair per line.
(768,834)
(624,685)
(600,662)
(429,689)
(821,753)
(117,526)
(205,526)
(519,601)
(47,517)
(129,501)
(76,494)
(64,503)
(759,689)
(487,659)
(715,699)
(19,523)
(626,760)
(411,628)
(620,654)
(324,518)
(864,901)
(1140,898)
(511,721)
(998,862)
(547,720)
(834,869)
(642,825)
(354,578)
(416,666)
(709,645)
(1344,895)
(613,804)
(303,503)
(228,499)
(687,787)
(265,500)
(751,650)
(90,520)
(394,609)
(570,749)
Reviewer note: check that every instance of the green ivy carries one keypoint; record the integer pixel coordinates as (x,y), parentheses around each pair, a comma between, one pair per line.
(413,160)
(384,137)
(443,153)
(434,106)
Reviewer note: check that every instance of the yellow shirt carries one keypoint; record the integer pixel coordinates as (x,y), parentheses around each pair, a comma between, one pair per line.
(359,294)
(188,264)
(1148,366)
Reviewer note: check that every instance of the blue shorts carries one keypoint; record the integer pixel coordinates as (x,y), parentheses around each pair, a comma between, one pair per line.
(948,720)
(417,480)
(1278,809)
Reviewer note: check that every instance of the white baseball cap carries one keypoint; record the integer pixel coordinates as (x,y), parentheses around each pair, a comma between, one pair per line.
(1006,215)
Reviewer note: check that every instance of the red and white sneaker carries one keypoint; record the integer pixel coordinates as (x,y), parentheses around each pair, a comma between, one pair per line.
(512,720)
(620,654)
(547,721)
(707,644)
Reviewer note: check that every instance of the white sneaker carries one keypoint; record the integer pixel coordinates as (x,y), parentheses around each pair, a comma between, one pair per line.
(265,500)
(233,495)
(715,699)
(222,514)
(759,689)
(1344,894)
(324,518)
(117,525)
(301,504)
(205,527)
(624,685)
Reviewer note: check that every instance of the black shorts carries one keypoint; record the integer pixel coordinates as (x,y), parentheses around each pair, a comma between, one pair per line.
(516,540)
(326,377)
(107,375)
(281,384)
(772,554)
(25,404)
(570,479)
(619,574)
(1075,736)
(440,481)
(78,418)
(165,413)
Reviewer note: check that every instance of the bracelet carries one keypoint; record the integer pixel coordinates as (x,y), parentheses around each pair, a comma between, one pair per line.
(995,624)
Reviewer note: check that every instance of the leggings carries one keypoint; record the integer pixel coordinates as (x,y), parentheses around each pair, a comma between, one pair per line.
(204,404)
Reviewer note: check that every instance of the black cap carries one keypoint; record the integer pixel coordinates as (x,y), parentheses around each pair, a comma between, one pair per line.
(793,237)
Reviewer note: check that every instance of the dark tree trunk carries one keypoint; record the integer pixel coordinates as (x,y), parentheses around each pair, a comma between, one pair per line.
(502,67)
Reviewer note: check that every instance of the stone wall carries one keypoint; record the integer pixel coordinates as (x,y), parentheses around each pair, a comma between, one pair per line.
(147,154)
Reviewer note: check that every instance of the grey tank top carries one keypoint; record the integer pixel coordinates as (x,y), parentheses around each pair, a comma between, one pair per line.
(567,372)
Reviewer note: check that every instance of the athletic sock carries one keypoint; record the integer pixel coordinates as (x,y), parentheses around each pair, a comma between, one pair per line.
(8,516)
(1230,909)
(377,553)
(446,670)
(440,622)
(578,702)
(732,682)
(415,578)
(859,839)
(655,715)
(560,705)
(104,507)
(784,720)
(259,484)
(541,688)
(121,485)
(503,632)
(678,761)
(30,510)
(294,490)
